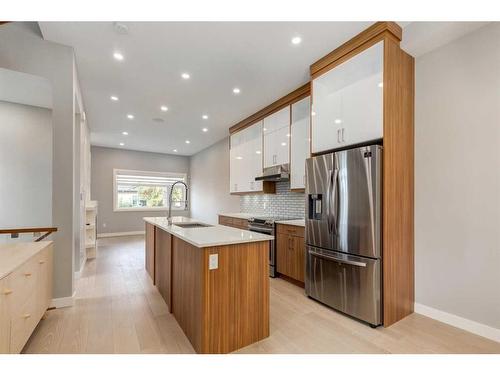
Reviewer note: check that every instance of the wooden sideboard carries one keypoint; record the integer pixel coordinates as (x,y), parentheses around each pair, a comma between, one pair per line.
(25,291)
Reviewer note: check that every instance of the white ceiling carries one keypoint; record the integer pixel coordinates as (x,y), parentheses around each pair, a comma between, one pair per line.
(22,88)
(259,58)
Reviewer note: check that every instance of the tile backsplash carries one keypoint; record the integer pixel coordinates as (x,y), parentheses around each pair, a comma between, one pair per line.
(283,203)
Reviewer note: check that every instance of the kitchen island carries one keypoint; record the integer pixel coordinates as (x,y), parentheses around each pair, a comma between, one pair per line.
(214,280)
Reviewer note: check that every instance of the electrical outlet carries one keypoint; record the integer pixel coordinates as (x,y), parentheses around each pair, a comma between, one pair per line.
(213,261)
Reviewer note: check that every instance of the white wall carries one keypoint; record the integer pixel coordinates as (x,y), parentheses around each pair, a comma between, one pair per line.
(25,51)
(26,166)
(457,177)
(209,170)
(104,160)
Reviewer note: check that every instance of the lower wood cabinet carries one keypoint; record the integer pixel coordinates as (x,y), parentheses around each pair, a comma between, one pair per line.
(4,318)
(290,251)
(233,222)
(150,250)
(25,295)
(163,265)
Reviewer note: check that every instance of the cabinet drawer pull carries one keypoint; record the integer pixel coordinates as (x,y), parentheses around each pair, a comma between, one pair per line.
(27,274)
(26,316)
(41,262)
(7,292)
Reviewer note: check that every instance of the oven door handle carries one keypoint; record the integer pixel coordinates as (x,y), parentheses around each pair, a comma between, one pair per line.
(263,231)
(336,259)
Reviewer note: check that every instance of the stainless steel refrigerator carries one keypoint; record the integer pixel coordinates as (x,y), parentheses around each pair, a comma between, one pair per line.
(343,231)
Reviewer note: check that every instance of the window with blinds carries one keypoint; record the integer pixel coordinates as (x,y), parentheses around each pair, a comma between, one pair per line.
(147,191)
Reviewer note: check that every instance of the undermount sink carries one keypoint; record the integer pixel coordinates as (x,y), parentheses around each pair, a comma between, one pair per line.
(192,225)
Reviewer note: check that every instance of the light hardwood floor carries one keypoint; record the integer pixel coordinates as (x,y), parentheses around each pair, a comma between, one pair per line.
(118,310)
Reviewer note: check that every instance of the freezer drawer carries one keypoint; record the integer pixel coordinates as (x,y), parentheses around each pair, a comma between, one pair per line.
(347,283)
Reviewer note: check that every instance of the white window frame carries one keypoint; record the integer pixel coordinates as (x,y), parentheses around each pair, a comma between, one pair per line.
(150,173)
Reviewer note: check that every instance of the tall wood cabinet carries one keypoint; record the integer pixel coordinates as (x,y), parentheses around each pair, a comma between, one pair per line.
(362,91)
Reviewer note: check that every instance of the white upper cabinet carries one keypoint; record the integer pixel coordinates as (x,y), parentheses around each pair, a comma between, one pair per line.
(276,138)
(348,102)
(246,159)
(235,162)
(300,142)
(253,153)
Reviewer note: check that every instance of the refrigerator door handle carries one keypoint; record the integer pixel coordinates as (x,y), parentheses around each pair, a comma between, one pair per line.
(332,196)
(336,259)
(328,203)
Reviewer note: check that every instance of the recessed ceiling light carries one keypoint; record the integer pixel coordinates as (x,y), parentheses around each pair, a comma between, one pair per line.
(164,108)
(114,98)
(122,144)
(130,117)
(236,90)
(313,113)
(204,117)
(118,56)
(288,135)
(175,150)
(338,121)
(204,130)
(257,152)
(125,133)
(188,141)
(185,75)
(296,40)
(381,84)
(239,157)
(283,143)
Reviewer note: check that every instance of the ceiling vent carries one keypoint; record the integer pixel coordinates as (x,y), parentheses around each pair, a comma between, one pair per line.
(120,28)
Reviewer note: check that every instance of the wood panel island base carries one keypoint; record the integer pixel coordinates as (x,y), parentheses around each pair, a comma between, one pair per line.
(215,282)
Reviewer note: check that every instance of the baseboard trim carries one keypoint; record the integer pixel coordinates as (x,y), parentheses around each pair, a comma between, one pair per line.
(78,273)
(117,234)
(62,302)
(459,322)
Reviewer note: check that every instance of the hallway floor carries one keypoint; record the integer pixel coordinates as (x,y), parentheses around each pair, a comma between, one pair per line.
(118,310)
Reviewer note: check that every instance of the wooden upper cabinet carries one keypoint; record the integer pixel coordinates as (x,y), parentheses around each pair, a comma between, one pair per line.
(277,137)
(347,102)
(246,159)
(300,142)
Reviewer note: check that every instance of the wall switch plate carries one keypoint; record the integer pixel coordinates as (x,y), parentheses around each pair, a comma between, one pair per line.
(213,261)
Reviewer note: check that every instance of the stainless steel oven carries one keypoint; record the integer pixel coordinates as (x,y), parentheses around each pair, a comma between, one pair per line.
(267,225)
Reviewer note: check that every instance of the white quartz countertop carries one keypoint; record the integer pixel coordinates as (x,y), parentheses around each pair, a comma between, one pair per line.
(13,255)
(240,215)
(214,235)
(296,222)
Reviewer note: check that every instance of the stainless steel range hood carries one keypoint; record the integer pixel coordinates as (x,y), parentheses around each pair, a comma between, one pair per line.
(275,173)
